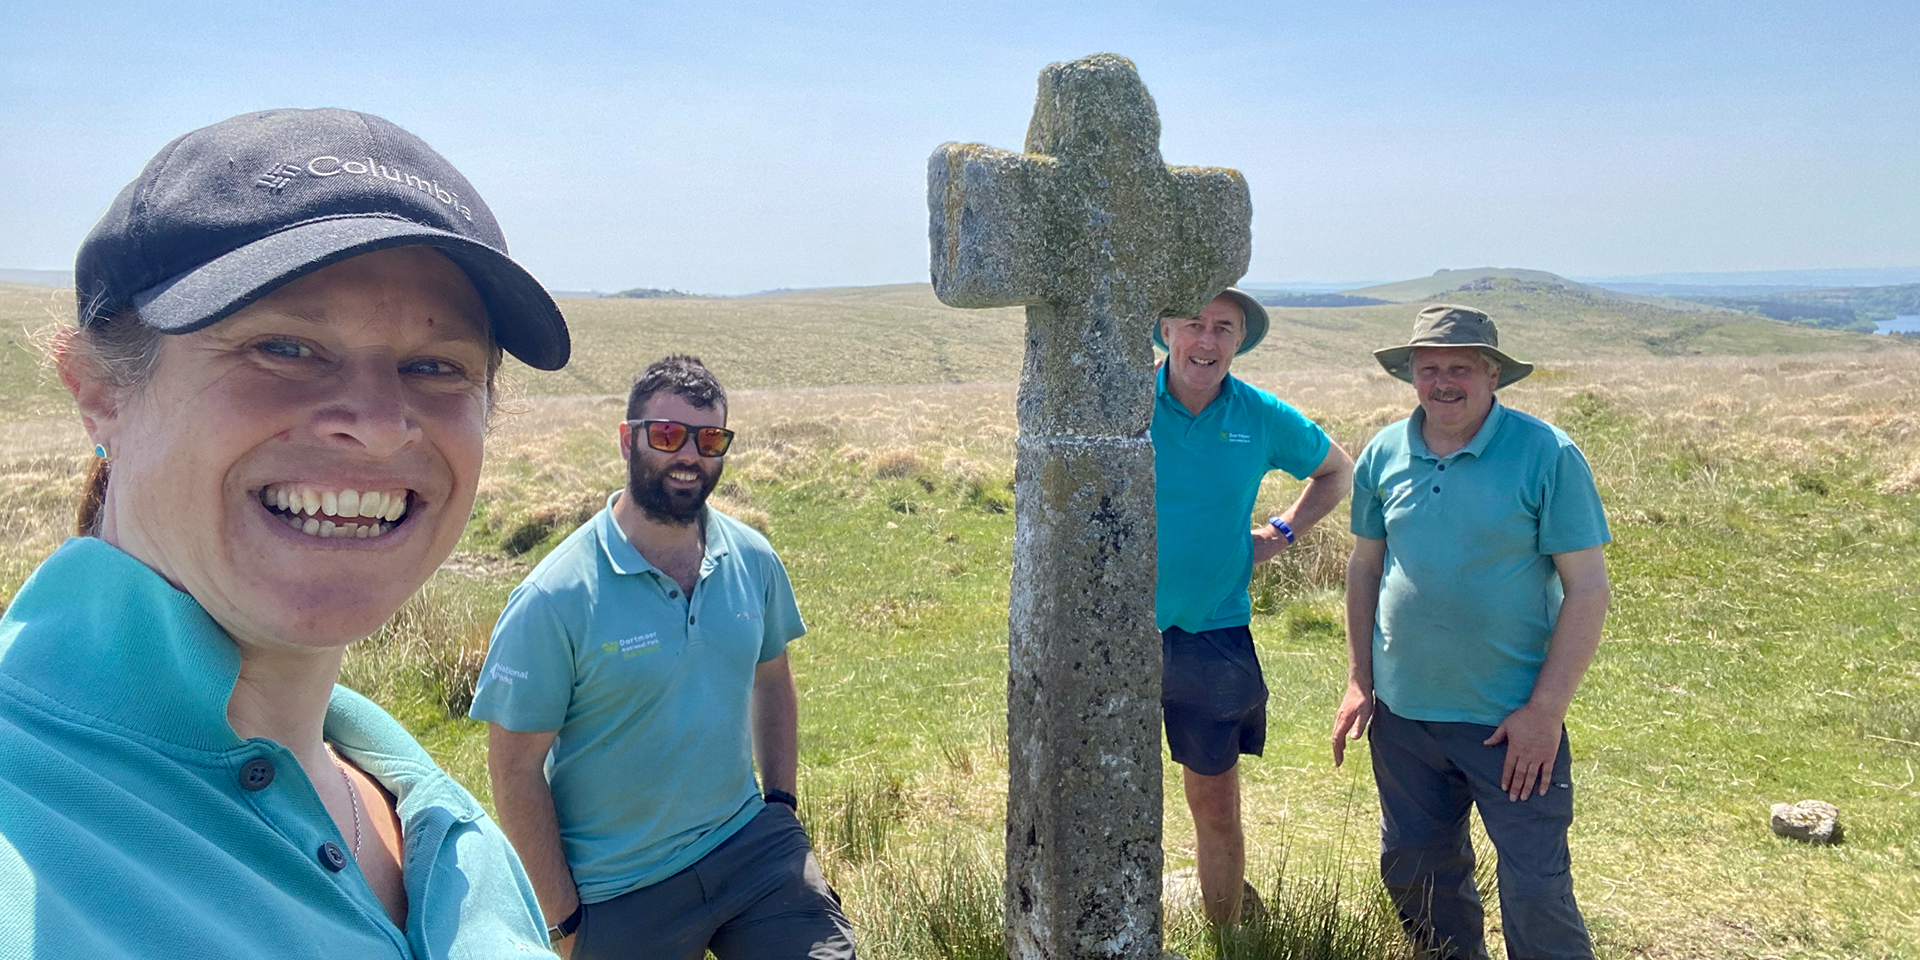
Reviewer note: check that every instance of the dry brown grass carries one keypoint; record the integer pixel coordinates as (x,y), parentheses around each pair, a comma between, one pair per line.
(1801,423)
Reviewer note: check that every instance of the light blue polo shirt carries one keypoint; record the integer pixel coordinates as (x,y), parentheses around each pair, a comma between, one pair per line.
(135,823)
(1206,475)
(1469,594)
(650,693)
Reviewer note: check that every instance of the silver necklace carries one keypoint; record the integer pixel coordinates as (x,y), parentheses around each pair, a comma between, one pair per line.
(353,797)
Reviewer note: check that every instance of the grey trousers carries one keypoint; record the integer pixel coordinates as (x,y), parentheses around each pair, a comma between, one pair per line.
(1429,773)
(758,896)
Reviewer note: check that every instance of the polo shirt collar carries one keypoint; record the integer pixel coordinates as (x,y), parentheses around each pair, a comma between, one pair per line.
(371,738)
(1417,444)
(1160,393)
(101,634)
(625,558)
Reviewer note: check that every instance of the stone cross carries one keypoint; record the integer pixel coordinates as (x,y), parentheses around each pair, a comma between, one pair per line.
(1099,238)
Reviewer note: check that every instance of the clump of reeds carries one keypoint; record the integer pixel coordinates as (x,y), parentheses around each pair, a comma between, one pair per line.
(851,826)
(1314,917)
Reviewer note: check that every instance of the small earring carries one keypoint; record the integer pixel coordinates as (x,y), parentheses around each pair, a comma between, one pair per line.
(100,451)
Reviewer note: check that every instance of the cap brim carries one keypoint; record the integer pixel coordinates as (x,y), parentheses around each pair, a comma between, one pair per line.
(1255,315)
(526,322)
(1398,361)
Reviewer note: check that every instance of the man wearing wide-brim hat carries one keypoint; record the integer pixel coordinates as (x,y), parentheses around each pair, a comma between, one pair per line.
(1215,437)
(1475,596)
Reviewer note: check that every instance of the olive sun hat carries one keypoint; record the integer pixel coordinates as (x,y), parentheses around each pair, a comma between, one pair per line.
(1452,325)
(1256,321)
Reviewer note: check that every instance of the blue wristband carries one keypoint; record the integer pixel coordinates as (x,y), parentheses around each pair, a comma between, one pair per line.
(1281,525)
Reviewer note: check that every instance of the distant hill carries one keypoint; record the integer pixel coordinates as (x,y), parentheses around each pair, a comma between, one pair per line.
(1444,282)
(1844,308)
(652,293)
(1546,323)
(901,334)
(1316,300)
(1261,288)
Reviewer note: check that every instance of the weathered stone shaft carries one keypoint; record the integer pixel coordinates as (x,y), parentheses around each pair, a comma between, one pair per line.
(1083,686)
(1099,239)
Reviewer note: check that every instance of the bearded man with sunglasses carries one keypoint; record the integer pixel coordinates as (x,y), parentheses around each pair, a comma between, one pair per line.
(633,680)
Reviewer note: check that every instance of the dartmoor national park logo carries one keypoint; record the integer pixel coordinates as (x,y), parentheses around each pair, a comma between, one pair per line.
(1231,437)
(633,646)
(281,175)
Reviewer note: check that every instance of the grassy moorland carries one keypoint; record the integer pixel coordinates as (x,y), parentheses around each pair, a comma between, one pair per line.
(1763,644)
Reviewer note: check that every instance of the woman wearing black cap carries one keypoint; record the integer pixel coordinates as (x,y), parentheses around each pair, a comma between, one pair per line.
(288,333)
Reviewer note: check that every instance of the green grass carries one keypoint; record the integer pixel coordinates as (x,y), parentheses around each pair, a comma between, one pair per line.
(1762,646)
(1761,649)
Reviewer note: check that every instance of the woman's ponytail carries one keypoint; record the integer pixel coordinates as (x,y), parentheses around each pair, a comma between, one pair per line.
(93,496)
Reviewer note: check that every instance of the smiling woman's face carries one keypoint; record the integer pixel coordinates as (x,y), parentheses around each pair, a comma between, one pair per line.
(301,467)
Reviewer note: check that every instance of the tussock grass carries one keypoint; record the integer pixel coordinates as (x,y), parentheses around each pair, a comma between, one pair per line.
(1310,917)
(1762,645)
(943,905)
(850,826)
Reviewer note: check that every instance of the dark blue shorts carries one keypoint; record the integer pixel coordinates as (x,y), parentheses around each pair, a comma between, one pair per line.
(1214,698)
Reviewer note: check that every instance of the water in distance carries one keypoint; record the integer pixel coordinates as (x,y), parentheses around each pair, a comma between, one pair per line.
(1897,325)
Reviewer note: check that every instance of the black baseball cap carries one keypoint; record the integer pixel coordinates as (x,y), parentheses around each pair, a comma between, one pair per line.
(229,213)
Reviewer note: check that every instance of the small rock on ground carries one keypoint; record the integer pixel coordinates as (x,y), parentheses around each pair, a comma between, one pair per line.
(1814,821)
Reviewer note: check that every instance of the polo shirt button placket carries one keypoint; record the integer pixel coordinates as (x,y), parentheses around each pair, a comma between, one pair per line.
(256,774)
(332,857)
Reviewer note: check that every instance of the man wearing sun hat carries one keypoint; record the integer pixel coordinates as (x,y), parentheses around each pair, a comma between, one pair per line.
(1475,597)
(1215,438)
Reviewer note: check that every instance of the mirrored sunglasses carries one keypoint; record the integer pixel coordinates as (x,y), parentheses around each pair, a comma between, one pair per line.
(668,436)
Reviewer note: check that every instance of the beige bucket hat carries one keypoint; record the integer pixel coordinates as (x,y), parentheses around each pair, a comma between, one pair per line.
(1452,325)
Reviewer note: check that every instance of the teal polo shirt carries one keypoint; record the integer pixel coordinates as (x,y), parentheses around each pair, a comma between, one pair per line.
(1206,474)
(1469,594)
(650,692)
(135,823)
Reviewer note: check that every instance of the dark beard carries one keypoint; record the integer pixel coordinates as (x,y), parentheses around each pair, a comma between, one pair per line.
(649,490)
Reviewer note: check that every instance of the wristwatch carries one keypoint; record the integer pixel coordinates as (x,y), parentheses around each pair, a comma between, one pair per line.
(781,796)
(565,928)
(1281,525)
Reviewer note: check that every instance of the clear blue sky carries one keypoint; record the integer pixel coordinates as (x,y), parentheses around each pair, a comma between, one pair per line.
(733,147)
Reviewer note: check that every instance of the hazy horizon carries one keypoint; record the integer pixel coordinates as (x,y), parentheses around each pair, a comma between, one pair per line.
(1758,279)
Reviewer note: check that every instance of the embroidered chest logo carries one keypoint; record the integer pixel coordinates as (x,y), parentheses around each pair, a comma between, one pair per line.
(633,646)
(1231,437)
